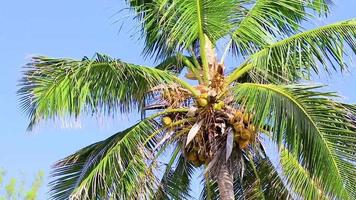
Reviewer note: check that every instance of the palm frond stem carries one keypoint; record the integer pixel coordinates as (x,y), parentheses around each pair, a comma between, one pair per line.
(202,41)
(236,74)
(226,51)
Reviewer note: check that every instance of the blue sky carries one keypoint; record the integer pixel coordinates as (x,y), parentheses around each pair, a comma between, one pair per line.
(76,29)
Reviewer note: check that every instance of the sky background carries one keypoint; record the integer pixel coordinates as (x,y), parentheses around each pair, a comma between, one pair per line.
(75,29)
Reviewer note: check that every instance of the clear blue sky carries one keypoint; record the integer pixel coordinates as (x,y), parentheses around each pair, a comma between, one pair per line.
(75,29)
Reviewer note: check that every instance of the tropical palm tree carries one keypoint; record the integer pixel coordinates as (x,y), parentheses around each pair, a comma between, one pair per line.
(217,121)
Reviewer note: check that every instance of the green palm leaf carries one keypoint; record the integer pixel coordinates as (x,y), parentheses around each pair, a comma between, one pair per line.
(120,166)
(312,126)
(211,192)
(299,55)
(262,181)
(175,182)
(267,19)
(178,62)
(174,64)
(171,26)
(56,87)
(299,179)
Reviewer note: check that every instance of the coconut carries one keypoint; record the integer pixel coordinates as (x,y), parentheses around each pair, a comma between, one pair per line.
(202,102)
(217,107)
(192,156)
(238,128)
(245,134)
(166,120)
(252,128)
(204,95)
(246,118)
(238,115)
(221,103)
(243,144)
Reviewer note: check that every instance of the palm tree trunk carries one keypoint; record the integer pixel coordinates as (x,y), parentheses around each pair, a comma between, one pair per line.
(225,182)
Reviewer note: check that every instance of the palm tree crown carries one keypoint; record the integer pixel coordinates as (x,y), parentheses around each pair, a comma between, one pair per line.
(217,120)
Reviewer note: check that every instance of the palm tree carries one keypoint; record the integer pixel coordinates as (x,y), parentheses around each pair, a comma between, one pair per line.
(217,121)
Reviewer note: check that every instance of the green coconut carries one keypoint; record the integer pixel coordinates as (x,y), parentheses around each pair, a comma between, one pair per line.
(204,95)
(218,106)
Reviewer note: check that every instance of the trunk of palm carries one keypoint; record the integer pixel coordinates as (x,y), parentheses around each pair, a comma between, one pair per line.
(225,182)
(225,176)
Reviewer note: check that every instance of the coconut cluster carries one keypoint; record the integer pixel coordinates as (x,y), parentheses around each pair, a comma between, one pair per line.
(219,114)
(196,152)
(244,131)
(203,101)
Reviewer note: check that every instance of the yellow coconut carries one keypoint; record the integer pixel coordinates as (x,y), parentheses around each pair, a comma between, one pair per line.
(202,102)
(243,144)
(246,118)
(238,127)
(204,95)
(245,134)
(221,103)
(217,107)
(238,115)
(252,128)
(166,120)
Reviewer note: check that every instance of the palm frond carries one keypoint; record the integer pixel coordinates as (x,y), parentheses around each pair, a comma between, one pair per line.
(171,26)
(312,126)
(120,166)
(56,87)
(210,190)
(174,64)
(299,55)
(175,183)
(178,62)
(260,180)
(268,19)
(299,179)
